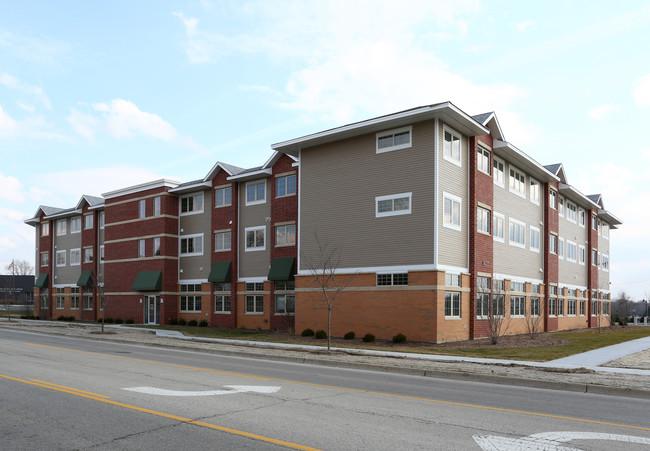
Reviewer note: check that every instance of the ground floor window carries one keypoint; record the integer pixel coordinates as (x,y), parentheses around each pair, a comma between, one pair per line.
(560,307)
(605,308)
(392,279)
(285,304)
(517,306)
(452,304)
(74,298)
(60,298)
(254,304)
(222,303)
(88,299)
(582,307)
(534,307)
(498,305)
(44,298)
(190,298)
(552,307)
(483,305)
(571,307)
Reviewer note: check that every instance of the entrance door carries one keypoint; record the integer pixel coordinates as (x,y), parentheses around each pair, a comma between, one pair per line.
(152,313)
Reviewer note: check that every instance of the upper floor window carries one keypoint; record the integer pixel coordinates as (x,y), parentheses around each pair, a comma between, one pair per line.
(399,138)
(561,207)
(255,238)
(101,219)
(517,182)
(88,254)
(256,192)
(156,206)
(192,204)
(45,229)
(483,220)
(604,260)
(222,241)
(142,208)
(534,191)
(285,185)
(571,212)
(285,235)
(451,147)
(483,160)
(61,227)
(552,243)
(534,239)
(392,279)
(394,204)
(223,196)
(571,251)
(75,225)
(141,248)
(594,222)
(605,230)
(581,217)
(88,221)
(582,254)
(192,245)
(499,172)
(498,227)
(552,199)
(517,233)
(45,258)
(451,211)
(60,258)
(156,246)
(560,248)
(452,280)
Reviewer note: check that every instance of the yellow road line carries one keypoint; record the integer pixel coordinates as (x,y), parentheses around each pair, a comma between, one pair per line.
(71,389)
(450,403)
(159,414)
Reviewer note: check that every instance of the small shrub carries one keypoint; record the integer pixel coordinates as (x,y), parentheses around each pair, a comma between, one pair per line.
(192,323)
(320,334)
(181,322)
(129,321)
(368,338)
(109,321)
(173,322)
(399,338)
(307,333)
(119,321)
(62,318)
(203,323)
(349,336)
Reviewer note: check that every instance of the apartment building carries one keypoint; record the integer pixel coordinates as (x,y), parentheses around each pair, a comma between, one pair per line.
(441,223)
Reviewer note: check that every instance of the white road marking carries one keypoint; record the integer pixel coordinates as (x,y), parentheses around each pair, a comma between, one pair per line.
(549,441)
(230,390)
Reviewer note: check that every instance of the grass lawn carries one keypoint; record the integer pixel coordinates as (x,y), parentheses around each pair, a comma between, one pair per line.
(575,342)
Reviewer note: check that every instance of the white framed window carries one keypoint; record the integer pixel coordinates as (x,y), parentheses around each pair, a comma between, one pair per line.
(75,225)
(552,199)
(560,307)
(483,160)
(499,173)
(452,280)
(222,241)
(190,298)
(101,254)
(571,212)
(594,257)
(534,191)
(451,146)
(571,307)
(594,222)
(156,246)
(552,244)
(141,248)
(498,227)
(581,217)
(451,210)
(582,254)
(60,258)
(285,235)
(519,287)
(254,304)
(560,248)
(191,245)
(483,220)
(498,305)
(75,257)
(192,204)
(101,219)
(399,138)
(45,229)
(599,259)
(517,182)
(392,279)
(222,303)
(517,233)
(483,305)
(256,192)
(88,254)
(571,251)
(604,262)
(45,258)
(560,210)
(582,307)
(88,221)
(74,298)
(285,304)
(255,238)
(605,230)
(156,206)
(61,227)
(223,196)
(142,208)
(534,307)
(452,304)
(534,239)
(88,298)
(552,306)
(392,205)
(60,298)
(285,185)
(517,306)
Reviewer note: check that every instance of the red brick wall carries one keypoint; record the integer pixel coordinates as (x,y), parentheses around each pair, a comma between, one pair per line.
(592,274)
(45,244)
(89,238)
(551,262)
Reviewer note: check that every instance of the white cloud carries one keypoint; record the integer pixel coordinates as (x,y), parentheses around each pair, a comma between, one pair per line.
(33,126)
(11,188)
(525,25)
(8,125)
(601,111)
(34,91)
(642,92)
(645,155)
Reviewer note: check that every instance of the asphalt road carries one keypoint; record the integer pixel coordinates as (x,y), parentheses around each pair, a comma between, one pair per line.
(66,393)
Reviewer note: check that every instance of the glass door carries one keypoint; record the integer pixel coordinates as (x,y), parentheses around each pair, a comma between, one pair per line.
(152,313)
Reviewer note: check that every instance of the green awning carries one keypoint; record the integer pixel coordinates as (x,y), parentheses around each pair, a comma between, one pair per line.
(282,268)
(42,280)
(148,281)
(220,272)
(85,279)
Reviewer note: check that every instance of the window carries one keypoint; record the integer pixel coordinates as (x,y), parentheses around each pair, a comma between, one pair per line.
(498,305)
(156,206)
(534,191)
(61,227)
(254,304)
(452,304)
(560,248)
(392,279)
(534,288)
(255,238)
(594,222)
(222,303)
(483,305)
(534,307)
(599,259)
(452,280)
(156,246)
(600,227)
(45,229)
(571,251)
(552,243)
(285,304)
(498,227)
(552,307)
(582,307)
(285,285)
(222,241)
(561,207)
(285,235)
(75,225)
(60,258)
(499,172)
(581,217)
(101,254)
(594,257)
(74,298)
(285,185)
(534,239)
(223,287)
(451,211)
(560,307)
(88,298)
(394,204)
(517,306)
(141,248)
(223,196)
(256,193)
(605,262)
(483,220)
(594,307)
(519,287)
(552,199)
(88,221)
(517,233)
(254,286)
(451,147)
(142,208)
(192,245)
(45,258)
(581,254)
(60,298)
(605,308)
(571,212)
(44,298)
(605,230)
(483,283)
(571,307)
(190,297)
(192,204)
(393,139)
(483,160)
(88,255)
(498,285)
(572,292)
(552,289)
(517,182)
(101,219)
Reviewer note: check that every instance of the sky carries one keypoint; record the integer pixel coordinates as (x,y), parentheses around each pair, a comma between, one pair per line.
(97,96)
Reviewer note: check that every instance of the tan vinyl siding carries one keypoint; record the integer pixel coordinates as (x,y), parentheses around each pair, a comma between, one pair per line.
(453,244)
(255,263)
(197,267)
(510,259)
(65,274)
(573,273)
(603,276)
(339,184)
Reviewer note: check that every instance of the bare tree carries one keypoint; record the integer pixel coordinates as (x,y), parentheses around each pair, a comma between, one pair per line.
(323,265)
(534,323)
(496,320)
(22,268)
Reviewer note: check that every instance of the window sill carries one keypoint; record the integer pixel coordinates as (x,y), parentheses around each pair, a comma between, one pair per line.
(223,206)
(453,318)
(284,314)
(254,313)
(222,313)
(285,195)
(255,249)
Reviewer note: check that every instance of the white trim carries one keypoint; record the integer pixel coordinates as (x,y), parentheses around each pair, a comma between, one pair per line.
(195,253)
(392,133)
(539,238)
(532,181)
(192,212)
(56,259)
(254,280)
(222,232)
(515,243)
(451,131)
(191,282)
(561,248)
(459,200)
(76,249)
(162,183)
(489,224)
(390,269)
(480,148)
(378,199)
(500,239)
(251,174)
(254,202)
(499,276)
(584,250)
(503,163)
(572,260)
(63,285)
(514,168)
(251,229)
(436,191)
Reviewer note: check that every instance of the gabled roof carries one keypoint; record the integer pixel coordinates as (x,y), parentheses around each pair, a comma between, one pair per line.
(597,199)
(522,161)
(558,170)
(572,193)
(252,173)
(194,185)
(490,121)
(275,157)
(46,210)
(92,201)
(229,168)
